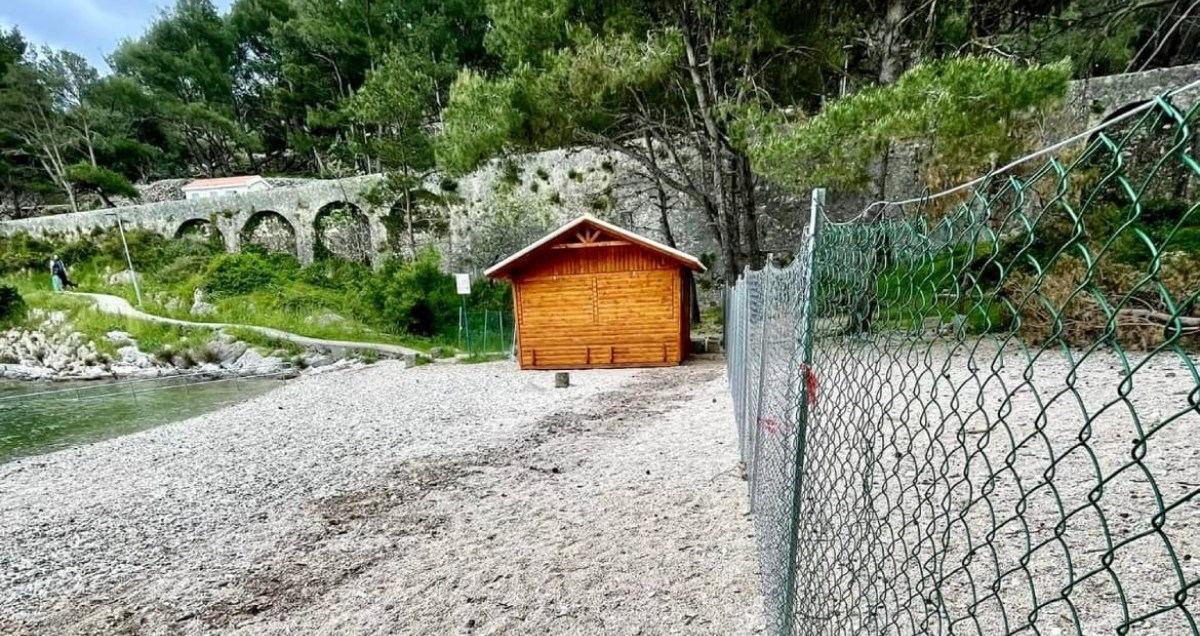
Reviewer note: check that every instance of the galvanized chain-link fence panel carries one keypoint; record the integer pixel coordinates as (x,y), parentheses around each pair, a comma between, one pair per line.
(980,414)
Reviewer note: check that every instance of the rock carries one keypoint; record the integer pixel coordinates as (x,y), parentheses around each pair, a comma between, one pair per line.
(199,306)
(124,277)
(56,361)
(173,305)
(125,370)
(436,352)
(325,319)
(203,309)
(119,338)
(316,360)
(24,372)
(91,373)
(252,363)
(227,353)
(131,356)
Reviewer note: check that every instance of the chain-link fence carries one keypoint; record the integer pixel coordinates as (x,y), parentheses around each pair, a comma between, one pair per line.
(486,332)
(979,413)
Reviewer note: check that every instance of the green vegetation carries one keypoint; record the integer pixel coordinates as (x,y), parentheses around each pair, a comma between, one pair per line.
(674,90)
(154,338)
(12,306)
(975,113)
(407,302)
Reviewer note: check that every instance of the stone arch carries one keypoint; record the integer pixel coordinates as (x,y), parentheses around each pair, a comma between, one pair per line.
(343,231)
(200,230)
(271,231)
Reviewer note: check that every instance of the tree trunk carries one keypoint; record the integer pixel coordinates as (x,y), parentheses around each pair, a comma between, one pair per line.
(408,219)
(87,140)
(890,42)
(746,203)
(717,160)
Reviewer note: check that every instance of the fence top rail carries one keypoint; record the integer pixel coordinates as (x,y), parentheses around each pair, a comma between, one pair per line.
(1104,125)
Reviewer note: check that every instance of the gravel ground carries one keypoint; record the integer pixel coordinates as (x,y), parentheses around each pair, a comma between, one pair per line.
(447,499)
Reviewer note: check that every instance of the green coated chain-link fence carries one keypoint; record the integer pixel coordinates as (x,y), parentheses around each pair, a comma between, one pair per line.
(486,332)
(979,413)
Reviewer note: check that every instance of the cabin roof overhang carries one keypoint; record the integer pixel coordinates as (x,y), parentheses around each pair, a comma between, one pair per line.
(589,230)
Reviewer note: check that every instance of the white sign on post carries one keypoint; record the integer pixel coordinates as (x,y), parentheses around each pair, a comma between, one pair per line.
(463,281)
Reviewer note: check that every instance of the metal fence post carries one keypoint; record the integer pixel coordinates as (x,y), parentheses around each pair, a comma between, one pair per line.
(807,323)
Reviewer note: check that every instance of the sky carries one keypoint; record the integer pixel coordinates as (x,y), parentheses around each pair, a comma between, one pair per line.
(92,28)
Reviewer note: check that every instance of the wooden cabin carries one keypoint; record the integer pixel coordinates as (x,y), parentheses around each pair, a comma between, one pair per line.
(591,294)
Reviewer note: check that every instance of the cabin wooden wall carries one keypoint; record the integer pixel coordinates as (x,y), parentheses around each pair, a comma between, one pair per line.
(601,306)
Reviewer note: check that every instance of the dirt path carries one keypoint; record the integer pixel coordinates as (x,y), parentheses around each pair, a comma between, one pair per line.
(121,307)
(614,507)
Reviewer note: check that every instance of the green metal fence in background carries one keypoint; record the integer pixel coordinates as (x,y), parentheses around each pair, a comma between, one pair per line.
(486,332)
(979,413)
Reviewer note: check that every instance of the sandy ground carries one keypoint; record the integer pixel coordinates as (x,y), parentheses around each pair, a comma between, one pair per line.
(450,499)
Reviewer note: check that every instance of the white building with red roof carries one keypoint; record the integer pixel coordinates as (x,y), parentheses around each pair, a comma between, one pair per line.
(208,188)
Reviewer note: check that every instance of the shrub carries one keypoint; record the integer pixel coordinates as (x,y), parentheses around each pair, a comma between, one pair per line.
(491,295)
(335,274)
(413,296)
(22,252)
(238,274)
(12,306)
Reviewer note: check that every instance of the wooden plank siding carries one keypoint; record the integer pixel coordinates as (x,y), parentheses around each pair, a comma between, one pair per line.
(611,304)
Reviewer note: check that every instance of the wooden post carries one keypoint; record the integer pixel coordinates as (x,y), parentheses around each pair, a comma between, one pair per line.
(562,380)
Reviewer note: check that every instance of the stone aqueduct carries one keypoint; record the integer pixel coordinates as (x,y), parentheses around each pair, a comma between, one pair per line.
(299,208)
(232,217)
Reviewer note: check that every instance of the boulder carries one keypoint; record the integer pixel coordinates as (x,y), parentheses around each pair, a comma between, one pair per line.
(325,319)
(252,363)
(203,309)
(125,370)
(199,306)
(131,356)
(91,373)
(24,372)
(227,352)
(208,369)
(122,278)
(317,360)
(119,338)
